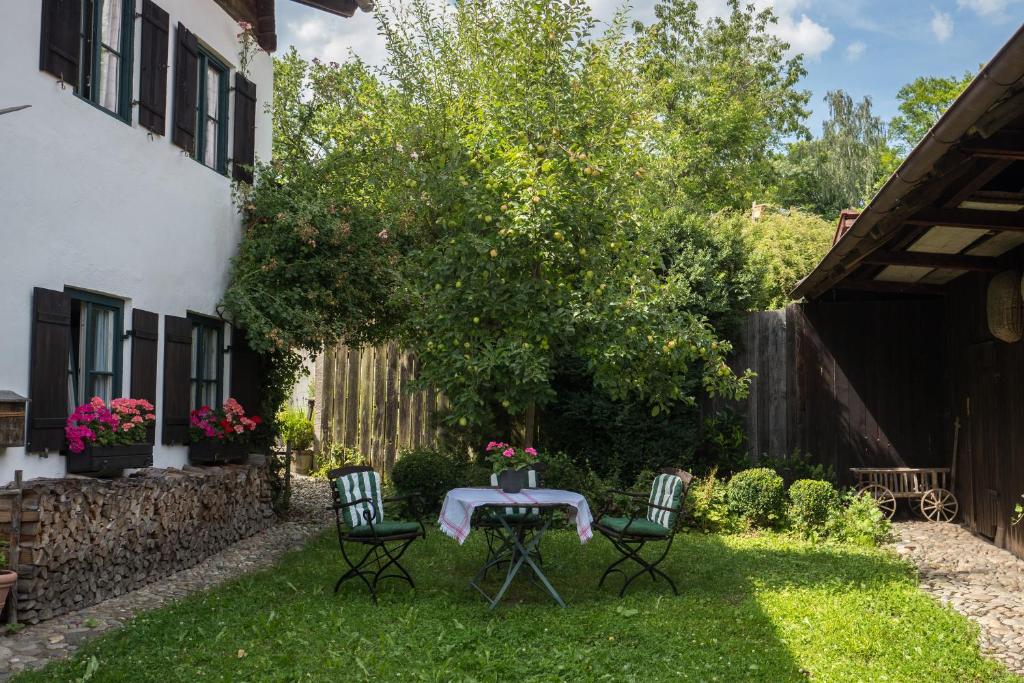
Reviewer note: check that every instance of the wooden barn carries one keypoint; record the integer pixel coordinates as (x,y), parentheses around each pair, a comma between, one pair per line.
(911,324)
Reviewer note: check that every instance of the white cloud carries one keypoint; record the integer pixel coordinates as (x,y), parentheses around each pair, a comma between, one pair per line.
(942,25)
(316,34)
(854,50)
(986,8)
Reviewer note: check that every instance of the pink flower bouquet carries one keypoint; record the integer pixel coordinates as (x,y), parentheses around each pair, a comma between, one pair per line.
(123,422)
(505,457)
(228,423)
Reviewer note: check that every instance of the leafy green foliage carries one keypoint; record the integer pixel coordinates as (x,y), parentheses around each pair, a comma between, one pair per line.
(563,472)
(333,457)
(429,473)
(758,496)
(723,443)
(812,502)
(755,608)
(800,465)
(859,521)
(784,247)
(707,505)
(922,102)
(843,167)
(726,97)
(296,429)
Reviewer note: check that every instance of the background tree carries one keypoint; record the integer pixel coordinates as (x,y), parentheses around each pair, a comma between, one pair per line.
(843,167)
(726,98)
(485,202)
(922,102)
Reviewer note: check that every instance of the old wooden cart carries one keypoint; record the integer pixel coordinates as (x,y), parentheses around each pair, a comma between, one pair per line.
(927,488)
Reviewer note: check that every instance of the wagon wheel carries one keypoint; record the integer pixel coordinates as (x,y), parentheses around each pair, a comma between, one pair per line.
(884,499)
(939,505)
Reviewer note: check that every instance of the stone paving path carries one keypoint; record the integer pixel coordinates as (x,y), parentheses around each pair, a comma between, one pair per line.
(34,646)
(975,578)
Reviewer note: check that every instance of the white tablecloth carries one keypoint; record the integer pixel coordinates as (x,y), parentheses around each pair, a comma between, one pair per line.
(457,511)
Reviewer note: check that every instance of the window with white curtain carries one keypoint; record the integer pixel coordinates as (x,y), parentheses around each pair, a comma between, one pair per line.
(207,361)
(94,358)
(105,60)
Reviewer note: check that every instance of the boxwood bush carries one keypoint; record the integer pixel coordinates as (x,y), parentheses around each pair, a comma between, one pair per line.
(812,502)
(758,496)
(432,473)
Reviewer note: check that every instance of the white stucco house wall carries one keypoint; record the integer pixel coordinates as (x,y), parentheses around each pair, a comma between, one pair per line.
(116,227)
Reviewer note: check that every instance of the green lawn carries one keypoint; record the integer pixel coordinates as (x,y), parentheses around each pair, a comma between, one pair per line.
(751,608)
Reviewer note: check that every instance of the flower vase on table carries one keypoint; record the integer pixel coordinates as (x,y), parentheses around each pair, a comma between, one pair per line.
(511,465)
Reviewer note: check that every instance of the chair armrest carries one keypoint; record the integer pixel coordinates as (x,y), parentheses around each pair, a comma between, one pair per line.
(342,506)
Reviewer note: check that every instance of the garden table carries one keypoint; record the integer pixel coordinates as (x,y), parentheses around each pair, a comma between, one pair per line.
(515,548)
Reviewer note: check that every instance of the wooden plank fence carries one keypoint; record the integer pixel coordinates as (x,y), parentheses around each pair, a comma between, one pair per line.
(363,401)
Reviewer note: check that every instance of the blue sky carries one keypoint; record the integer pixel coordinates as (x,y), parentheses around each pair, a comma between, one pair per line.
(867,47)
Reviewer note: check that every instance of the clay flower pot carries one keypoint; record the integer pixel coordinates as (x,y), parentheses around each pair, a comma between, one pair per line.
(7,581)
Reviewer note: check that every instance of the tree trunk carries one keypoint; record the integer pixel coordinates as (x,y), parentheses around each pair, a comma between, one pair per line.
(530,425)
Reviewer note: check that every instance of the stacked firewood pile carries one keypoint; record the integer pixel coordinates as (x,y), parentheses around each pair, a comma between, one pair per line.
(84,540)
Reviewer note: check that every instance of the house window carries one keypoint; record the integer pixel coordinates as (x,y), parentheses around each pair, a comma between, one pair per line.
(212,112)
(207,361)
(94,358)
(106,55)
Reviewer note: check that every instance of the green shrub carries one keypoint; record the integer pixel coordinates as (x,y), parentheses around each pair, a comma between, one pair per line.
(800,465)
(333,457)
(859,521)
(430,473)
(812,503)
(296,429)
(758,496)
(562,472)
(707,505)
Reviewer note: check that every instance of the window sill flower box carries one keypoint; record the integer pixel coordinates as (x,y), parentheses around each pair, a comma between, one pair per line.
(109,461)
(213,452)
(220,436)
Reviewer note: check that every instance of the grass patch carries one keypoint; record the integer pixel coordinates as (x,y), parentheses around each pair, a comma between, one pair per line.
(751,608)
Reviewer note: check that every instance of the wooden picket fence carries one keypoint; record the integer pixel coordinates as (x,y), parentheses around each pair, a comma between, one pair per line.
(363,402)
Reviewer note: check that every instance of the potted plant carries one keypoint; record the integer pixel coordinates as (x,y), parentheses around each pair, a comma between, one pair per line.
(297,434)
(222,435)
(511,465)
(7,577)
(103,440)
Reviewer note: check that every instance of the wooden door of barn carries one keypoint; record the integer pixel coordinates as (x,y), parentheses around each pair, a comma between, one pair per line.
(986,439)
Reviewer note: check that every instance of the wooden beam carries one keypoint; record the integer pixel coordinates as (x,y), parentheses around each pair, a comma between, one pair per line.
(970,218)
(1005,145)
(922,259)
(885,287)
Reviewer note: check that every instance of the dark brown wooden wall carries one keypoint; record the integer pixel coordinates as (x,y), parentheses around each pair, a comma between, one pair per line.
(986,393)
(869,384)
(850,383)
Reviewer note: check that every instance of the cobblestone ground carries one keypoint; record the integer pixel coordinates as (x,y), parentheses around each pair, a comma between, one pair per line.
(34,646)
(974,577)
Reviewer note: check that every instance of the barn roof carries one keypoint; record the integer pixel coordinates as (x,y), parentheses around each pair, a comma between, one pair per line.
(955,205)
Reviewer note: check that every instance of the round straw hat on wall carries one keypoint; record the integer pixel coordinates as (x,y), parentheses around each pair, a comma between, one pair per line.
(1005,319)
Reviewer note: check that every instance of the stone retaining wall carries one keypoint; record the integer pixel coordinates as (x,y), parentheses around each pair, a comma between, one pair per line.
(84,540)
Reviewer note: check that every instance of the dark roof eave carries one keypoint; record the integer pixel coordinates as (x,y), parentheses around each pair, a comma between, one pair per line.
(1002,72)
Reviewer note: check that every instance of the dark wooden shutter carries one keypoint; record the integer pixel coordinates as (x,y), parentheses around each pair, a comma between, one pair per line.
(156,27)
(244,152)
(177,379)
(186,84)
(246,371)
(48,370)
(59,39)
(145,333)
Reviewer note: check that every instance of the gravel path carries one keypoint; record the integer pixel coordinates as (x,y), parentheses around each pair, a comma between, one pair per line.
(34,646)
(974,577)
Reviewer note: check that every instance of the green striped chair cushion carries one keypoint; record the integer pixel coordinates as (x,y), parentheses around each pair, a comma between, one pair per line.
(531,482)
(357,485)
(666,492)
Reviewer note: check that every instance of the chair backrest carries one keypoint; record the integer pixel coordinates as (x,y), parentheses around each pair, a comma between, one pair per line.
(534,477)
(669,491)
(352,483)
